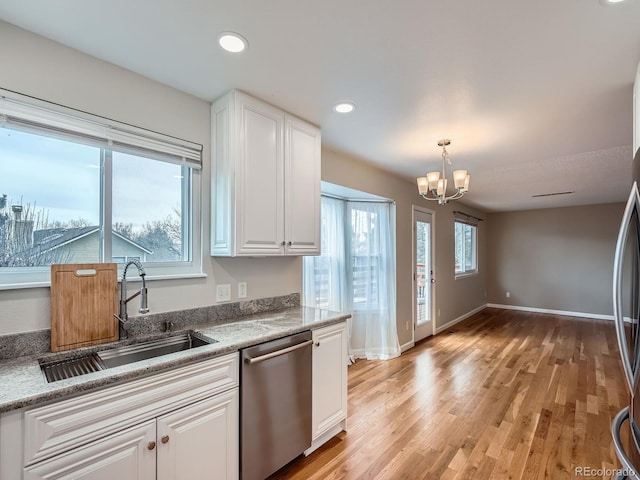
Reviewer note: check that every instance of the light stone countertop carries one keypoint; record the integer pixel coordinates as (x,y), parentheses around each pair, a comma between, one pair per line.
(22,382)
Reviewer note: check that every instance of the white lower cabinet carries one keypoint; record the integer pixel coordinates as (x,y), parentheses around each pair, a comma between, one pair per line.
(329,379)
(121,456)
(180,424)
(200,441)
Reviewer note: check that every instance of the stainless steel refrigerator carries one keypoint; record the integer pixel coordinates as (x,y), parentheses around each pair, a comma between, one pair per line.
(626,309)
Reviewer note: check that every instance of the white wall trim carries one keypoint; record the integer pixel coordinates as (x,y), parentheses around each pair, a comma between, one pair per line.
(461,318)
(550,311)
(407,346)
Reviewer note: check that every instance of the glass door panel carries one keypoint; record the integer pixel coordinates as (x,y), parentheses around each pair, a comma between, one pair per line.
(423,275)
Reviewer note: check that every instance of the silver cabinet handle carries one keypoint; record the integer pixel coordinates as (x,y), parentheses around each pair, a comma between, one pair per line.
(277,353)
(618,314)
(617,443)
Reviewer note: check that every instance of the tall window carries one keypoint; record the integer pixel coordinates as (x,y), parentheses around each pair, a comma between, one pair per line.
(465,248)
(356,273)
(76,191)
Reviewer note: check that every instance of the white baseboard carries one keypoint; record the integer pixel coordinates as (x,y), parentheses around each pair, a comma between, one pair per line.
(553,312)
(407,346)
(326,436)
(450,324)
(459,319)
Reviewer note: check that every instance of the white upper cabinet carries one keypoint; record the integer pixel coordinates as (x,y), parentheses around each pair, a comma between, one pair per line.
(302,187)
(265,198)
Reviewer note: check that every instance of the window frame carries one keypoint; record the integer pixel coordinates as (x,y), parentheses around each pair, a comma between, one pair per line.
(75,124)
(464,272)
(362,306)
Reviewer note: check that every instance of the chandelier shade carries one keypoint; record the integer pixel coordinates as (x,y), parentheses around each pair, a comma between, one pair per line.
(433,187)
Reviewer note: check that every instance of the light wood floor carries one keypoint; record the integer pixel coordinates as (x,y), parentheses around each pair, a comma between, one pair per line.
(502,395)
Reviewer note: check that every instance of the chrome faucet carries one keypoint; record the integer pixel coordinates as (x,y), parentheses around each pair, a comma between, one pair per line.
(123,317)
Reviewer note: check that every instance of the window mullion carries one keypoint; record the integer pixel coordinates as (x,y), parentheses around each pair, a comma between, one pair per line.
(106,211)
(465,234)
(348,253)
(186,212)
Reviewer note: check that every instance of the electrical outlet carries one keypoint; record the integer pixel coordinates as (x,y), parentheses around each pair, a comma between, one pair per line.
(406,325)
(223,293)
(508,294)
(242,289)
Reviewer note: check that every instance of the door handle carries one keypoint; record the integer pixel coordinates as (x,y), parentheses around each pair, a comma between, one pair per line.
(277,353)
(433,280)
(618,264)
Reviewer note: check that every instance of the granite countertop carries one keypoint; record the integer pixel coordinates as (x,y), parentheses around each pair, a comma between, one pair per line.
(22,382)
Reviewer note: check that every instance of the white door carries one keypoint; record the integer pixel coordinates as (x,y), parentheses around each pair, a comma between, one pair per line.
(423,277)
(200,441)
(130,455)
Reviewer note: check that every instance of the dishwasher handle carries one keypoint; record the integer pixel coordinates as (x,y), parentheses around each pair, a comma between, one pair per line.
(277,353)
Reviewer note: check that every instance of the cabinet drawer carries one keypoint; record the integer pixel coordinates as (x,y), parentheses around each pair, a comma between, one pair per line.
(58,427)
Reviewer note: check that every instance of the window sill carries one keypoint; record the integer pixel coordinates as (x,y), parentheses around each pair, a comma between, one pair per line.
(466,275)
(47,284)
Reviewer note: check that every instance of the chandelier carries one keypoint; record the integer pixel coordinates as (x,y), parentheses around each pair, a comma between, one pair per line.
(432,187)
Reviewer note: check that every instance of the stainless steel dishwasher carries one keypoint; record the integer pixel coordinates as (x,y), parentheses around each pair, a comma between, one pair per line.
(275,399)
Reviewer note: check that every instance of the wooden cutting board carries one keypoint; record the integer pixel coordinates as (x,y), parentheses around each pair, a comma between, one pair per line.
(84,298)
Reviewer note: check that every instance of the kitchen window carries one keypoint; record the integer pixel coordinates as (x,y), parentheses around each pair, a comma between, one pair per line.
(356,273)
(75,188)
(465,248)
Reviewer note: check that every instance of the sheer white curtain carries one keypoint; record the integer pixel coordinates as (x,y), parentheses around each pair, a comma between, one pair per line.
(373,301)
(356,274)
(324,276)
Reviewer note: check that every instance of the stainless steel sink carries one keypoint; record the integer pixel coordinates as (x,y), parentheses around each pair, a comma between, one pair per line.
(142,351)
(114,357)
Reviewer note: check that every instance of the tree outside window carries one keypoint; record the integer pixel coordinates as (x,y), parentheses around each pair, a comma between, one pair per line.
(465,248)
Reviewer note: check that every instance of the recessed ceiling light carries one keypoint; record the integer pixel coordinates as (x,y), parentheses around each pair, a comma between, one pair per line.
(232,42)
(610,2)
(344,107)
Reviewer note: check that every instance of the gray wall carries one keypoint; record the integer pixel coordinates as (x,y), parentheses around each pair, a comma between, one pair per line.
(556,259)
(454,298)
(36,66)
(39,67)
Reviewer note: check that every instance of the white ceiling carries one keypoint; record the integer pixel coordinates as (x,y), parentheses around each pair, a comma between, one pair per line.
(535,95)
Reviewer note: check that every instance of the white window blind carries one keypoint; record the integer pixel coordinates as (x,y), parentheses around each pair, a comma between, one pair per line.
(81,188)
(36,116)
(462,217)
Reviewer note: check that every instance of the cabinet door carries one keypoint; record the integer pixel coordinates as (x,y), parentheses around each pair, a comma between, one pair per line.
(130,455)
(259,178)
(200,441)
(302,187)
(329,378)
